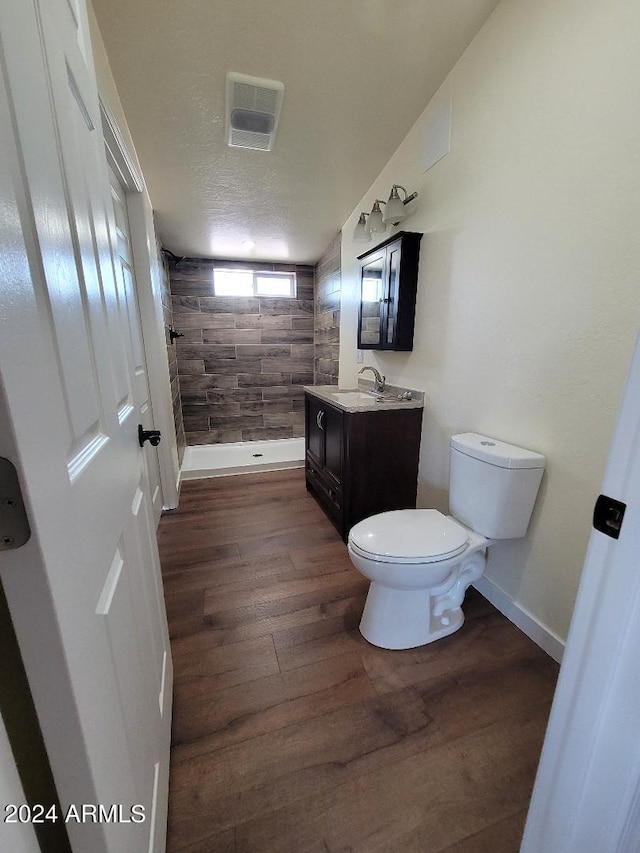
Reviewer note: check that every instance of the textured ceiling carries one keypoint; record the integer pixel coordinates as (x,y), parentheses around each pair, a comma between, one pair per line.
(357,74)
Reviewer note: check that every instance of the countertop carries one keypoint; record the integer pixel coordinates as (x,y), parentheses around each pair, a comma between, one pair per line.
(364,399)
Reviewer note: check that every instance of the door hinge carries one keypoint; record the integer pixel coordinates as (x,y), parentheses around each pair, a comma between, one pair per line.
(607,516)
(14,524)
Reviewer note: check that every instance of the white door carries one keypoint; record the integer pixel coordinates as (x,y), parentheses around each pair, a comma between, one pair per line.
(84,592)
(125,275)
(586,797)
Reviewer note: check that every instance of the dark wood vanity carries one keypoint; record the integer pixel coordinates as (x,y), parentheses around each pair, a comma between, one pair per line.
(359,463)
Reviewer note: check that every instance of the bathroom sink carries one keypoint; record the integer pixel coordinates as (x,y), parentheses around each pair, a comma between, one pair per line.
(351,398)
(365,399)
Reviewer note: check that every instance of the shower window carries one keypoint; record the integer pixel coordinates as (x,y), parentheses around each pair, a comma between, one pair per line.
(230,282)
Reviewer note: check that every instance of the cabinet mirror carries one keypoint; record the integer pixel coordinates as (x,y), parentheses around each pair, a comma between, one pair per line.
(372,301)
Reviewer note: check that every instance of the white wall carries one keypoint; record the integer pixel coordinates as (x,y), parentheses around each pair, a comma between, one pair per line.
(528,296)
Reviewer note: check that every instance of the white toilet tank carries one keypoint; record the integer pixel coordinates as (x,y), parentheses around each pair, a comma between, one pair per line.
(493,485)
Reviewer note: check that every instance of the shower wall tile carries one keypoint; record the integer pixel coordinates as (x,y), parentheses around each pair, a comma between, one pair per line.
(230,305)
(296,307)
(287,336)
(232,336)
(278,392)
(302,323)
(303,377)
(262,380)
(302,351)
(264,321)
(217,351)
(243,360)
(189,336)
(209,436)
(184,304)
(263,351)
(235,395)
(327,314)
(232,366)
(267,433)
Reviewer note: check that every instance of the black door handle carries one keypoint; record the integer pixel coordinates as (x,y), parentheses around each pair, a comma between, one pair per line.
(607,516)
(151,435)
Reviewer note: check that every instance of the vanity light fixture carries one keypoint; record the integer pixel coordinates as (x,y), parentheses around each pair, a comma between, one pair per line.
(361,233)
(377,221)
(394,211)
(373,225)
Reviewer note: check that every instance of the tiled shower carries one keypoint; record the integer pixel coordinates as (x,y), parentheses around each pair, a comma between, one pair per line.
(243,360)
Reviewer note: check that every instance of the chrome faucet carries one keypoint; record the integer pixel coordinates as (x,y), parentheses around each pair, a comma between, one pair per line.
(379,384)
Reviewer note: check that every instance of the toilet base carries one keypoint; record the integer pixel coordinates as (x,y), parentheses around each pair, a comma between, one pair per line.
(403,618)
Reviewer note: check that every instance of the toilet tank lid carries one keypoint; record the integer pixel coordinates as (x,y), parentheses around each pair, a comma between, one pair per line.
(496,452)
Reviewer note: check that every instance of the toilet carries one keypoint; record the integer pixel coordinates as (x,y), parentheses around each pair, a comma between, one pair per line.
(420,562)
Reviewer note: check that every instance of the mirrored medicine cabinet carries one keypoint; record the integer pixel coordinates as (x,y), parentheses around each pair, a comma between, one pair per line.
(388,285)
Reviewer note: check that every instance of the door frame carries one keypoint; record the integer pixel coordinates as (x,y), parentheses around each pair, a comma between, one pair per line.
(148,277)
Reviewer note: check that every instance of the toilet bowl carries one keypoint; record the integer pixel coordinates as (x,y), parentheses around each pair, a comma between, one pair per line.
(420,562)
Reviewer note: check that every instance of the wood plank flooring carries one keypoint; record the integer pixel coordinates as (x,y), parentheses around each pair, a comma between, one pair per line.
(292,734)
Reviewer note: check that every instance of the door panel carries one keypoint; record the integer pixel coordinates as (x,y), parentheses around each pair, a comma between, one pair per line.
(129,299)
(85,592)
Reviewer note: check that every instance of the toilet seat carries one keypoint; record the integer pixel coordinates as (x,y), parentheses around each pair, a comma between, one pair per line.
(408,536)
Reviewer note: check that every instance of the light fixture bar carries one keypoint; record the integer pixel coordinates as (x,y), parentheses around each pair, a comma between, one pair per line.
(376,222)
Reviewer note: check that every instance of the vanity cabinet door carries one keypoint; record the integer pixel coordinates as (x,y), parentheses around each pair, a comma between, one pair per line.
(324,439)
(324,459)
(333,423)
(314,431)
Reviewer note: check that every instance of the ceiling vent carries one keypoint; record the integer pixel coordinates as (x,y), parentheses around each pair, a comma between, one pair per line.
(253,109)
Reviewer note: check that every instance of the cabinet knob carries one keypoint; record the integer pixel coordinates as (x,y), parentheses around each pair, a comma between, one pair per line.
(319,418)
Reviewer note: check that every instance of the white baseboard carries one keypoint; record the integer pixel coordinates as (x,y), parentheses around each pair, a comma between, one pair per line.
(542,636)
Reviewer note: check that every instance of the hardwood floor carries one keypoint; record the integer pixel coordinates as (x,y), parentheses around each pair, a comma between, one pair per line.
(292,734)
